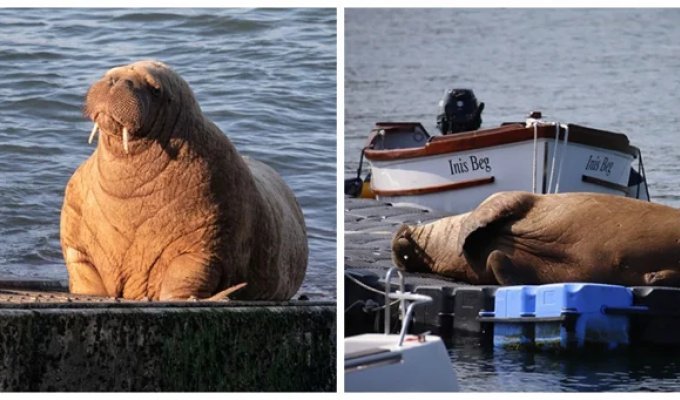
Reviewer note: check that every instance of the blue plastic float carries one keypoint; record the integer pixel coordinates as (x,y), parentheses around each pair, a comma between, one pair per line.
(513,306)
(561,316)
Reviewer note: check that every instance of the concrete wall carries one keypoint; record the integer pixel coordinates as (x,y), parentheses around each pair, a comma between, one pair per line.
(236,347)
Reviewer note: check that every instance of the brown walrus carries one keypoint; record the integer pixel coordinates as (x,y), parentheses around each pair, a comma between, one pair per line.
(517,238)
(165,207)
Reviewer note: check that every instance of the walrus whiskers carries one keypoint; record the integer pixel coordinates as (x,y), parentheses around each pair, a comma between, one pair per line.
(93,133)
(125,139)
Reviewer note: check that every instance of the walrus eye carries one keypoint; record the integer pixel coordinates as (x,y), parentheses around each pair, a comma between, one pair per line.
(156,91)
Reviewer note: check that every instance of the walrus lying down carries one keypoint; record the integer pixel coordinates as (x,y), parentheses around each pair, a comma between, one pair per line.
(165,207)
(520,238)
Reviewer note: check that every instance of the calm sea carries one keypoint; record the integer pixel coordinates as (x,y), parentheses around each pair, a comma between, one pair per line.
(616,69)
(267,78)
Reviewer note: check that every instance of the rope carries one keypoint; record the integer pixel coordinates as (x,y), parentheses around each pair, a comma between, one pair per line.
(370,309)
(643,174)
(533,166)
(363,285)
(562,156)
(554,156)
(371,289)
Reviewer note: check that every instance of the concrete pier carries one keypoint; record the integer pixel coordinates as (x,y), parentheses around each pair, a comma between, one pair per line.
(53,341)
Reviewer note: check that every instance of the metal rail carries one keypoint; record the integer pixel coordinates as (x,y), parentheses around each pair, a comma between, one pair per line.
(403,297)
(415,300)
(388,287)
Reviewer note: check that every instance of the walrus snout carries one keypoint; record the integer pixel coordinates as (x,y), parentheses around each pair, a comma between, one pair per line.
(407,255)
(122,101)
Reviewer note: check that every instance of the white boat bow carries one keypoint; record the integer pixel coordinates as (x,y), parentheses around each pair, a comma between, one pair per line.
(398,363)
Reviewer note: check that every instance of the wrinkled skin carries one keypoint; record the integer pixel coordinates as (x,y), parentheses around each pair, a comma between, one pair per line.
(522,238)
(175,212)
(431,248)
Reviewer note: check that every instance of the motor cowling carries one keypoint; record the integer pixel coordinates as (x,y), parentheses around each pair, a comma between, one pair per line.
(459,111)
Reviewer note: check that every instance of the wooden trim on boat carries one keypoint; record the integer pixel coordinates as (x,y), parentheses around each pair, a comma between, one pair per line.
(506,134)
(603,183)
(434,189)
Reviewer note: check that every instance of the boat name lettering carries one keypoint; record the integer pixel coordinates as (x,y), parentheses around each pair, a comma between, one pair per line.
(595,164)
(472,163)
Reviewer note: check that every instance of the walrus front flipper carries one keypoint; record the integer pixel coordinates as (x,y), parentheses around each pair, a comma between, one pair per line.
(507,273)
(667,277)
(189,274)
(498,207)
(83,276)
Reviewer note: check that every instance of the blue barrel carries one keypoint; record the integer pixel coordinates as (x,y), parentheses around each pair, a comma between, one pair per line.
(513,303)
(582,310)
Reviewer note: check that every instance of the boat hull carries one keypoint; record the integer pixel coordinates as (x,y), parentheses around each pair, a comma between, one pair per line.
(456,181)
(386,367)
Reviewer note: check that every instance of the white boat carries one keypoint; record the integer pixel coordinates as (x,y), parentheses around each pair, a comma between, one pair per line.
(398,363)
(454,173)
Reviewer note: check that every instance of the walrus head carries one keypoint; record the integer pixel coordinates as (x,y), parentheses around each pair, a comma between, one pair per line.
(128,101)
(407,254)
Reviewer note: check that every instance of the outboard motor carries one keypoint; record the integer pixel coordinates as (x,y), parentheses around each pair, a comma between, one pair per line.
(459,112)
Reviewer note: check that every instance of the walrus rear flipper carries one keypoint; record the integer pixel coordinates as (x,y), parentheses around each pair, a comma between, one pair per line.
(224,295)
(495,209)
(667,277)
(507,272)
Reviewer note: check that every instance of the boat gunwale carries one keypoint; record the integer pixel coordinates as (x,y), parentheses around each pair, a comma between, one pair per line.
(505,134)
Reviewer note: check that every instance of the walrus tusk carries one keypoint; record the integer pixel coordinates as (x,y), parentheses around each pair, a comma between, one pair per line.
(94,132)
(125,139)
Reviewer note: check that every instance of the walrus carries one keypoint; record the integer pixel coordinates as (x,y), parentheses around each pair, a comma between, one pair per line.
(165,207)
(519,238)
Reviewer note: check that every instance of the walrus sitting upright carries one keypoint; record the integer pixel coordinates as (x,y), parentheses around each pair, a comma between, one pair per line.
(521,238)
(165,207)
